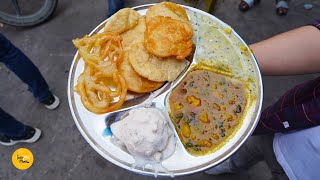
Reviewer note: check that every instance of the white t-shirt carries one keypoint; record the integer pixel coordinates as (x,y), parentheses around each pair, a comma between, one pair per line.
(299,153)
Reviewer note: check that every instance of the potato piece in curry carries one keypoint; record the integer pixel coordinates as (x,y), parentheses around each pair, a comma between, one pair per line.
(206,108)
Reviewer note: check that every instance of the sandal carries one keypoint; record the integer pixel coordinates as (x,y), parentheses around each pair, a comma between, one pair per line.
(282,7)
(245,5)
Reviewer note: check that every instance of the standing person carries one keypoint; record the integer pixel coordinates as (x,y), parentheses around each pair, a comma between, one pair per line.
(114,6)
(11,130)
(282,6)
(291,147)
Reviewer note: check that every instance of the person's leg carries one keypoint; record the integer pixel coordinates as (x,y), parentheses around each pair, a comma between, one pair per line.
(9,126)
(21,65)
(13,131)
(248,154)
(255,149)
(114,6)
(270,158)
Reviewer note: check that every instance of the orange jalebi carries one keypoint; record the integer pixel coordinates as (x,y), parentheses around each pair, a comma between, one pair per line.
(102,53)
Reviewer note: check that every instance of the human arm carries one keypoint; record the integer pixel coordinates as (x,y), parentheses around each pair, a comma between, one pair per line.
(290,53)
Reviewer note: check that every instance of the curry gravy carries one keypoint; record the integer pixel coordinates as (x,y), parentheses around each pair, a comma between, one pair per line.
(206,108)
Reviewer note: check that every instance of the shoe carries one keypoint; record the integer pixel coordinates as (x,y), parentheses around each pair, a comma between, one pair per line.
(52,102)
(282,7)
(245,5)
(31,135)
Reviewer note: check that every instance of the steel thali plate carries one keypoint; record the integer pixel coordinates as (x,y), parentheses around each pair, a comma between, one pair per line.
(92,126)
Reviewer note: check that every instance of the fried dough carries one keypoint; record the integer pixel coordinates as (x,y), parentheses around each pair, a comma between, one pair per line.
(134,35)
(137,83)
(152,67)
(167,9)
(122,21)
(165,37)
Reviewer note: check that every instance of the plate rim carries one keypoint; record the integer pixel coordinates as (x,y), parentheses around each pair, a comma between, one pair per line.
(193,170)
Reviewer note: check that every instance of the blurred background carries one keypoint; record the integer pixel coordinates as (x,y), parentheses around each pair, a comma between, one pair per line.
(62,153)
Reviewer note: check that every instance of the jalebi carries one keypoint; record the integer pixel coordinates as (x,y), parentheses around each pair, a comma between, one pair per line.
(102,53)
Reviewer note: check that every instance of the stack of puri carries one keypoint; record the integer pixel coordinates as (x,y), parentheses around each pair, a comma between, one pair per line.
(155,46)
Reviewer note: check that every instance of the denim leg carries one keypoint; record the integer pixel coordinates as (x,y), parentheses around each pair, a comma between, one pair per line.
(9,126)
(114,6)
(21,65)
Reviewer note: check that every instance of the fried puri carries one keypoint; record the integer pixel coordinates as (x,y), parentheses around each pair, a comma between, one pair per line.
(132,32)
(165,37)
(137,83)
(134,35)
(143,71)
(167,9)
(122,21)
(152,67)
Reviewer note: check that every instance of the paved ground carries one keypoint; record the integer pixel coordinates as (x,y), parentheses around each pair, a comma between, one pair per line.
(62,153)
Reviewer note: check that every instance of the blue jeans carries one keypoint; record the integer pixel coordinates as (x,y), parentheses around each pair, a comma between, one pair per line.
(21,65)
(114,6)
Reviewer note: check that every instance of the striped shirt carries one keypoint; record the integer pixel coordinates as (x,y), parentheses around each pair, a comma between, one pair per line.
(298,108)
